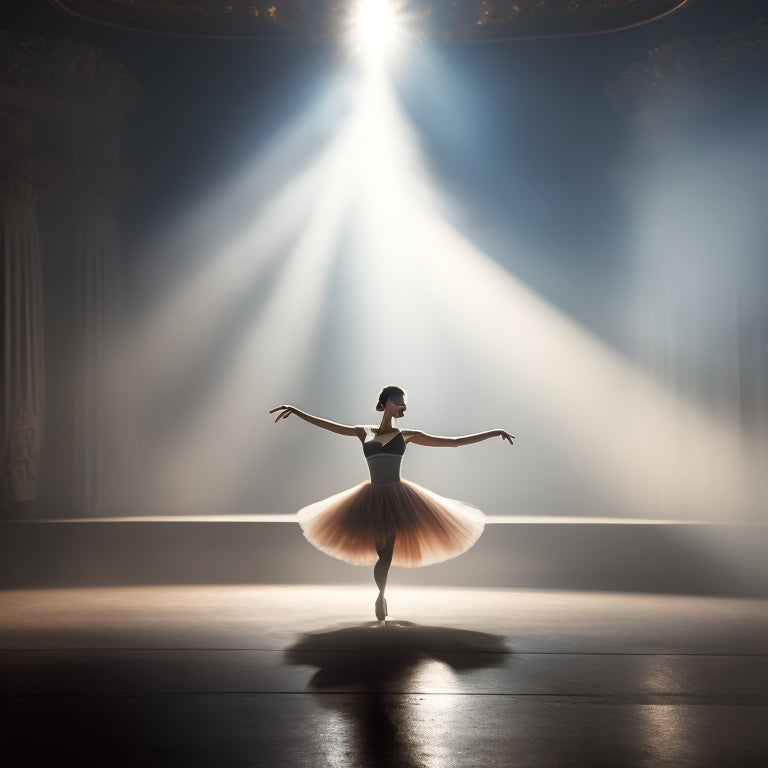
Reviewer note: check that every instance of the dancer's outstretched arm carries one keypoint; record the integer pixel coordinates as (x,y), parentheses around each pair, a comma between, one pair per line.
(331,426)
(436,441)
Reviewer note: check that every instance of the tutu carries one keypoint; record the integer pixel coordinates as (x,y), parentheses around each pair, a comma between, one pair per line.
(428,528)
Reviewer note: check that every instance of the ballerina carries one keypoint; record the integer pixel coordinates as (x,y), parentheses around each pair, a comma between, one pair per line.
(387,520)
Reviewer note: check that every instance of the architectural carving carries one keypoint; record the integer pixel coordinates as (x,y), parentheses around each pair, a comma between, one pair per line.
(711,64)
(456,20)
(77,70)
(60,111)
(20,462)
(23,168)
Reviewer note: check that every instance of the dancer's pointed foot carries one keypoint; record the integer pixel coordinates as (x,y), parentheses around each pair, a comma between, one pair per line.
(381,608)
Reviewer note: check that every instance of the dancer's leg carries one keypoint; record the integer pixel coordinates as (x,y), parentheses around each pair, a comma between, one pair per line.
(381,572)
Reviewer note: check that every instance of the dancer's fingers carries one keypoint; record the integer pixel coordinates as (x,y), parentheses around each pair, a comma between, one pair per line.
(285,412)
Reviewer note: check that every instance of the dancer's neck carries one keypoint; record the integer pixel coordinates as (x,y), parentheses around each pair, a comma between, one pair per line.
(386,425)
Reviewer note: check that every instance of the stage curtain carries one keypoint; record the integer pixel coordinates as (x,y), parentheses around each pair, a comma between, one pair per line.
(23,357)
(96,264)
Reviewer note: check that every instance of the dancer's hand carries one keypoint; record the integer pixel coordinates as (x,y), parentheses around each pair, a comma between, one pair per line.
(504,435)
(285,412)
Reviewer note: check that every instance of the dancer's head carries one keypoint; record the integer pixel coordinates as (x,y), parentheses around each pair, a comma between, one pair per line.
(392,398)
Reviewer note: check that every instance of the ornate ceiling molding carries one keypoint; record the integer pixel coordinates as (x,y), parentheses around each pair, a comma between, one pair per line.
(700,73)
(324,20)
(61,106)
(63,71)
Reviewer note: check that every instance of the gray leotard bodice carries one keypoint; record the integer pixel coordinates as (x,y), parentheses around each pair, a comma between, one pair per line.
(384,460)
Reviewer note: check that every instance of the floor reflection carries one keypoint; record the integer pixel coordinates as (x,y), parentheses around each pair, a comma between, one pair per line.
(408,675)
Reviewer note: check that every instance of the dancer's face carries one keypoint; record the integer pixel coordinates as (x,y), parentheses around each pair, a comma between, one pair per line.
(397,406)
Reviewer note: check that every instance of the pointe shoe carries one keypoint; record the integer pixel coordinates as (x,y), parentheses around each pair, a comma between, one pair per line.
(381,608)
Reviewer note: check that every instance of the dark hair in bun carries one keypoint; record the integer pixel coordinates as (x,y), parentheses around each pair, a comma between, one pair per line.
(386,394)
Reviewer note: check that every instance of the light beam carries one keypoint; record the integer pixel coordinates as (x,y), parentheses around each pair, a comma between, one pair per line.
(363,267)
(376,30)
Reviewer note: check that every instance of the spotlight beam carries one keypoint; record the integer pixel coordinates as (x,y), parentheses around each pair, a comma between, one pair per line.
(422,303)
(376,30)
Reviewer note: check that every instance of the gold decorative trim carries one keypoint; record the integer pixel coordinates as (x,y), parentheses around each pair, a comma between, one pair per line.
(456,20)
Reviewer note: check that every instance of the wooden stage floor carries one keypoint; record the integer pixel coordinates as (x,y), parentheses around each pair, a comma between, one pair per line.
(293,675)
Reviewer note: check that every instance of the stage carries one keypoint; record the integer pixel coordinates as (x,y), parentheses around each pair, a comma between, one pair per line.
(552,642)
(299,675)
(514,552)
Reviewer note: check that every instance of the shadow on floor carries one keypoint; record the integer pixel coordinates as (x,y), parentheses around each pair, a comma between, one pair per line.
(376,656)
(390,663)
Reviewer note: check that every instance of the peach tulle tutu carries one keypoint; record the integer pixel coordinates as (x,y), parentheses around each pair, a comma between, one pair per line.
(428,528)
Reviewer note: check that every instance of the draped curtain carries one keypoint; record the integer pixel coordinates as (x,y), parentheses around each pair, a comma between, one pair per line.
(61,109)
(23,355)
(96,265)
